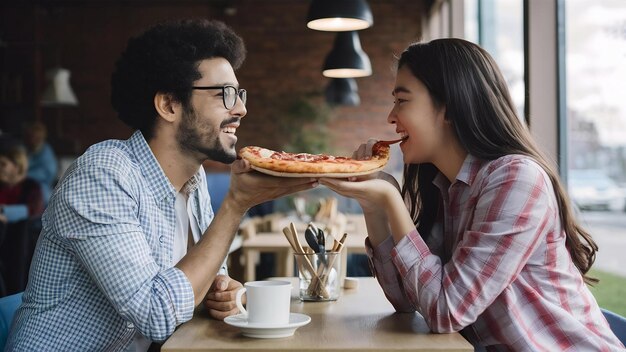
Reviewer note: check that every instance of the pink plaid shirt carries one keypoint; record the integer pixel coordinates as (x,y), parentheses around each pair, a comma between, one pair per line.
(510,283)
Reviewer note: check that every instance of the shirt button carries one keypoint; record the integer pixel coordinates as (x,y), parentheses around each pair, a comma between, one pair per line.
(130,325)
(161,239)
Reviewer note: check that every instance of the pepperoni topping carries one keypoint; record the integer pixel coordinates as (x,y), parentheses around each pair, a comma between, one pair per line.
(311,158)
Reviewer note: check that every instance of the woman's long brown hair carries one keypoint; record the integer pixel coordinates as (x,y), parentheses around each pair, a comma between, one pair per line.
(466,80)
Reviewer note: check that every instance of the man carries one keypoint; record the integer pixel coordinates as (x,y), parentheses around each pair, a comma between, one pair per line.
(106,274)
(42,163)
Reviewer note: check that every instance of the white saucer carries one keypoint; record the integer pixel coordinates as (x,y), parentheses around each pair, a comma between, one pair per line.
(261,331)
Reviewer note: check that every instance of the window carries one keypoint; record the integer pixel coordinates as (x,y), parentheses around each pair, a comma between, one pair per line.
(498,27)
(595,72)
(471,21)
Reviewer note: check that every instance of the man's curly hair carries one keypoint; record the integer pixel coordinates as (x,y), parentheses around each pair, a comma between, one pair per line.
(165,59)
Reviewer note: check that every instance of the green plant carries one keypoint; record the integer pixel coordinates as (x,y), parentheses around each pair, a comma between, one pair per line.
(610,291)
(303,121)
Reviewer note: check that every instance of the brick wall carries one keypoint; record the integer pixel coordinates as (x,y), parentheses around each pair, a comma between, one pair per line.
(284,61)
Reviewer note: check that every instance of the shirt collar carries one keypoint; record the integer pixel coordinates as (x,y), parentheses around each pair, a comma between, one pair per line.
(158,183)
(469,169)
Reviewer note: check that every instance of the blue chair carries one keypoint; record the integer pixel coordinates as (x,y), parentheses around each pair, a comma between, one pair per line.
(218,184)
(617,323)
(8,306)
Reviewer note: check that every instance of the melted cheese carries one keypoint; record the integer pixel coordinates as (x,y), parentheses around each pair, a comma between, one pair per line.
(265,153)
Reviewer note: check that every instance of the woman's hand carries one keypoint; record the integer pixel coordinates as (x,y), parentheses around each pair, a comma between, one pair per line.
(380,198)
(381,203)
(371,193)
(365,151)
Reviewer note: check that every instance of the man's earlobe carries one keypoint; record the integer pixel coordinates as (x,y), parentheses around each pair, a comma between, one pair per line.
(165,106)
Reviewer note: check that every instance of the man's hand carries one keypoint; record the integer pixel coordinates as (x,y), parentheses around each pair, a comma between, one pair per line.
(202,261)
(249,188)
(220,300)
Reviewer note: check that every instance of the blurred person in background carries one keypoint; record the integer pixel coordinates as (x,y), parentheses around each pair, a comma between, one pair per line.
(20,196)
(42,162)
(21,205)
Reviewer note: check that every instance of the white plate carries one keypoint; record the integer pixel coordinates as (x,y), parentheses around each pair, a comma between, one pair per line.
(302,174)
(260,331)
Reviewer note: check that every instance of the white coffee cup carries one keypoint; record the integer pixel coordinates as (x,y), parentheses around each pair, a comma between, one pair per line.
(268,302)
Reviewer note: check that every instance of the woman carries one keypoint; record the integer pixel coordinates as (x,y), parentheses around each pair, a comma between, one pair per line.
(487,243)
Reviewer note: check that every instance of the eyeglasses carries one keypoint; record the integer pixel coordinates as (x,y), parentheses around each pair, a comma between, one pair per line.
(229,95)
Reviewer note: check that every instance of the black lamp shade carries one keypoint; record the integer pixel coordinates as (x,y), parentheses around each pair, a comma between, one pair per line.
(347,59)
(342,91)
(339,15)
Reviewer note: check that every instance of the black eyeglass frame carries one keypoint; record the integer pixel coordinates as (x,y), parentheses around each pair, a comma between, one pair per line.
(239,92)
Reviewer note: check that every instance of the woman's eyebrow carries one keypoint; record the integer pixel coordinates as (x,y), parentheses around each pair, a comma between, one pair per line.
(400,89)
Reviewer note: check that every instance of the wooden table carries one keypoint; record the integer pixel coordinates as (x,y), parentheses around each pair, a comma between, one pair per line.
(360,320)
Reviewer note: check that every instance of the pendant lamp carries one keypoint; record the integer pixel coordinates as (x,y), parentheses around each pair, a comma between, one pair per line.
(59,92)
(347,59)
(343,91)
(339,15)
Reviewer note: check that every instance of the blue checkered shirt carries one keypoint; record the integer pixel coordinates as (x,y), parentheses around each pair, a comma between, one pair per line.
(103,269)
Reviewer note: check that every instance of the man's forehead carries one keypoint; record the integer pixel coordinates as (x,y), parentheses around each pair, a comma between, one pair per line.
(217,70)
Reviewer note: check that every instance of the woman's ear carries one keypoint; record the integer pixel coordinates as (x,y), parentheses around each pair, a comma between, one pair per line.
(166,106)
(444,116)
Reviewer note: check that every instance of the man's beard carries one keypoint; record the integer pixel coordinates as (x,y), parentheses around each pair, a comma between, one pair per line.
(208,143)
